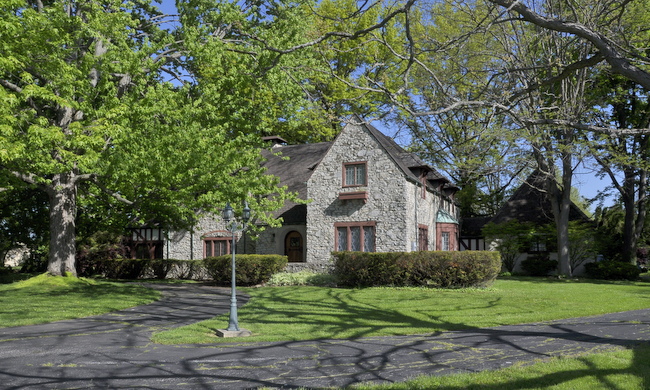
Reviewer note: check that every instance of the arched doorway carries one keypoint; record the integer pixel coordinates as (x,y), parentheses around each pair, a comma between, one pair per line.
(293,246)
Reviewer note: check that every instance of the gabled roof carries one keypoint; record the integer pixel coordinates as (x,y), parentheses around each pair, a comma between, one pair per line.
(295,171)
(407,161)
(529,203)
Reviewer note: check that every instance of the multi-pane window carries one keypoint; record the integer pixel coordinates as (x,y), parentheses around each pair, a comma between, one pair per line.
(354,174)
(445,241)
(355,236)
(538,244)
(423,238)
(216,246)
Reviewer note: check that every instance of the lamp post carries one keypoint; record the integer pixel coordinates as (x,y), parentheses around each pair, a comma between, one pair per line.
(233,226)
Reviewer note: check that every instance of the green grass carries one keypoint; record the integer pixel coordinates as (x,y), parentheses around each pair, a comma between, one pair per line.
(304,313)
(623,369)
(45,298)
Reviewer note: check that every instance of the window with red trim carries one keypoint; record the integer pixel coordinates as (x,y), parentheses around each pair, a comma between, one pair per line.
(423,238)
(216,246)
(355,236)
(355,174)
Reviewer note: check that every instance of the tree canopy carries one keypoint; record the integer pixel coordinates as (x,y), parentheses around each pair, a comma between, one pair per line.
(111,103)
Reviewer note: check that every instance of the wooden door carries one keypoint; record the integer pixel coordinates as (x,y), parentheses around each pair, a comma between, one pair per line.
(293,246)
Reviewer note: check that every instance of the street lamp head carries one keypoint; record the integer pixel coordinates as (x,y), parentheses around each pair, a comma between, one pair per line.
(228,213)
(246,213)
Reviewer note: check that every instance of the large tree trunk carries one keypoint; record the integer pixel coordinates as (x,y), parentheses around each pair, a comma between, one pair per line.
(561,204)
(63,210)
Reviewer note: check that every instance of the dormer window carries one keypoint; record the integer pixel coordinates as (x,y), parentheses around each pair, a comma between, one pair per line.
(355,174)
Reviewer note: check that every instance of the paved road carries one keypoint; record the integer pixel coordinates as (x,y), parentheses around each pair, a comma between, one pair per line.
(113,350)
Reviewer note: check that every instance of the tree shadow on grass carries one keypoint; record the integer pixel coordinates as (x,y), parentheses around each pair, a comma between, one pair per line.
(591,375)
(339,313)
(123,357)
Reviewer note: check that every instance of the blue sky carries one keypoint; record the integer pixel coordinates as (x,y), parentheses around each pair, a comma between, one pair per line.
(585,179)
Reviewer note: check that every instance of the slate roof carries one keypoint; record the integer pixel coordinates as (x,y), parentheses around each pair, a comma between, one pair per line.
(530,204)
(302,159)
(294,174)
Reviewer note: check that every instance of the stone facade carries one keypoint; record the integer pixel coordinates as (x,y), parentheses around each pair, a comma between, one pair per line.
(396,203)
(190,245)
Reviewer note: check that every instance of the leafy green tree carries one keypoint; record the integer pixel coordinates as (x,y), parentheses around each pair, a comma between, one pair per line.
(99,105)
(23,220)
(511,239)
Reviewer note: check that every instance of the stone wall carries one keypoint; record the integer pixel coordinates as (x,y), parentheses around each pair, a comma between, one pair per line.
(271,240)
(386,204)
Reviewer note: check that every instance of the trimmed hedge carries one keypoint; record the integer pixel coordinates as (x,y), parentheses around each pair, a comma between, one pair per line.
(434,269)
(251,269)
(540,265)
(612,270)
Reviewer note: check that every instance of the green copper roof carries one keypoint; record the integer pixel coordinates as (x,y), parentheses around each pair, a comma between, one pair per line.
(445,217)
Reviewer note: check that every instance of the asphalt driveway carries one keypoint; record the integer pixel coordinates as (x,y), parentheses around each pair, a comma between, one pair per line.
(113,351)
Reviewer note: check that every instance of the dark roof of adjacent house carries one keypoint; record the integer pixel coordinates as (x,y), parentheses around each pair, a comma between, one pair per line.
(295,165)
(530,203)
(473,226)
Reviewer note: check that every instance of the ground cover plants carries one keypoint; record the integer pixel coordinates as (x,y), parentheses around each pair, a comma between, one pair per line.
(308,312)
(46,298)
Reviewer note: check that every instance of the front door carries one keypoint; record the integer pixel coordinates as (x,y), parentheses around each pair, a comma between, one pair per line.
(293,246)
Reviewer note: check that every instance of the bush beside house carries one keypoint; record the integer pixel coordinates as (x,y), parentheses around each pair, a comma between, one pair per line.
(433,269)
(251,269)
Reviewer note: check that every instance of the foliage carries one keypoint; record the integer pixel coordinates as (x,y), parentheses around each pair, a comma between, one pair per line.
(250,270)
(642,255)
(23,219)
(612,270)
(609,231)
(133,122)
(101,246)
(302,278)
(582,243)
(538,265)
(434,269)
(511,239)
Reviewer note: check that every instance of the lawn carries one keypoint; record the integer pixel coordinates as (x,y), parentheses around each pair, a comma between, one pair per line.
(46,298)
(624,369)
(303,313)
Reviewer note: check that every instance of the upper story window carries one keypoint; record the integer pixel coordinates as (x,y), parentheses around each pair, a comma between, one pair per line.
(423,181)
(355,174)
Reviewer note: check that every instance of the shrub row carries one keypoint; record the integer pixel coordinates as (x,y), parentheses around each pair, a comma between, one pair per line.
(540,265)
(612,270)
(434,269)
(251,269)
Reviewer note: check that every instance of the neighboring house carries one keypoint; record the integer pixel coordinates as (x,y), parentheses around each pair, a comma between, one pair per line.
(529,203)
(365,193)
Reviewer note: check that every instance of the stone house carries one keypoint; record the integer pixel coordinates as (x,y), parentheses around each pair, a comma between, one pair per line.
(366,193)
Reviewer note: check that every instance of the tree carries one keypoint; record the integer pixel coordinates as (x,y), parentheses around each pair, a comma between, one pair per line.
(510,239)
(98,103)
(23,220)
(625,159)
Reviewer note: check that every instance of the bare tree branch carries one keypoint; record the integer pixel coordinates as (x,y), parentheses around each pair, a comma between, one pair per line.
(608,48)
